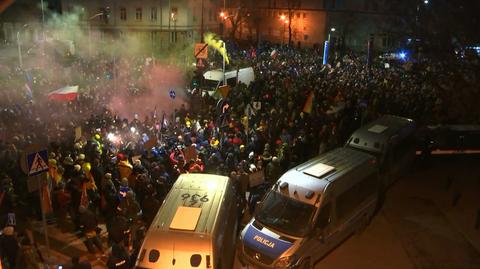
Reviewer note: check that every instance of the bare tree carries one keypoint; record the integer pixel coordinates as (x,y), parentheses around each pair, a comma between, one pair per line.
(292,5)
(239,14)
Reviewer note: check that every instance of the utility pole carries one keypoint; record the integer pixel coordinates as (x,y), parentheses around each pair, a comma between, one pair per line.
(201,26)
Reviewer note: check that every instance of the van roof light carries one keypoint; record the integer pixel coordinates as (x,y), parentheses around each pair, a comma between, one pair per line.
(309,194)
(283,185)
(318,170)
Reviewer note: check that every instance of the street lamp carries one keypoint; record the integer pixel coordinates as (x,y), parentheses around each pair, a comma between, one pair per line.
(173,17)
(326,46)
(224,16)
(90,32)
(20,60)
(284,19)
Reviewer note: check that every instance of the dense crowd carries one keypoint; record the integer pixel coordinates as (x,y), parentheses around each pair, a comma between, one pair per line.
(110,169)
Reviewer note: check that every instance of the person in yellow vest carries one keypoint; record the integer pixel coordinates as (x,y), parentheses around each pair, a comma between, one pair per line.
(90,186)
(53,174)
(96,139)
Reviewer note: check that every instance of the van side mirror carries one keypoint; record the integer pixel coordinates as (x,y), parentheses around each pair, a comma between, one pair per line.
(257,207)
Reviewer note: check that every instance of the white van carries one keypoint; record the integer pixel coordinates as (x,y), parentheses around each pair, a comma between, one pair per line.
(214,78)
(310,210)
(391,139)
(195,227)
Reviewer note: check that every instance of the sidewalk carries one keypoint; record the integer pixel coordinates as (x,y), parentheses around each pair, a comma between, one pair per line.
(65,245)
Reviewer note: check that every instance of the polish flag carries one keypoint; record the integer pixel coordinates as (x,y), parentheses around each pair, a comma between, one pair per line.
(274,54)
(67,93)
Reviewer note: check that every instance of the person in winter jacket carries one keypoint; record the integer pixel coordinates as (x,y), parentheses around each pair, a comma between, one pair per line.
(119,258)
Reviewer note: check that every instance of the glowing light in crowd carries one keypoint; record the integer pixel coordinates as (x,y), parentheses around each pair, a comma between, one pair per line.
(113,138)
(402,55)
(132,129)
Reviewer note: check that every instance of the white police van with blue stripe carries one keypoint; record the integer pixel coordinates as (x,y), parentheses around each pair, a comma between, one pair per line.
(310,210)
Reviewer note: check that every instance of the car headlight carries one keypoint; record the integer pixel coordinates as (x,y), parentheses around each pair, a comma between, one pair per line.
(285,262)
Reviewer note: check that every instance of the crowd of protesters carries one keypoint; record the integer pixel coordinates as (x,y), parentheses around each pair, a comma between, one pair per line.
(107,169)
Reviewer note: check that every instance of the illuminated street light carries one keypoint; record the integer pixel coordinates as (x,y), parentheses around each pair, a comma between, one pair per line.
(425,2)
(333,29)
(284,19)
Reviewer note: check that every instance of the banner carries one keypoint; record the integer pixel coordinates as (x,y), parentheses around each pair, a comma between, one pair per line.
(67,93)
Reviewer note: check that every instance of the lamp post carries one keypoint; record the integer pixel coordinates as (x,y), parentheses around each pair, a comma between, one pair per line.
(224,16)
(327,46)
(284,21)
(223,63)
(19,46)
(90,32)
(173,16)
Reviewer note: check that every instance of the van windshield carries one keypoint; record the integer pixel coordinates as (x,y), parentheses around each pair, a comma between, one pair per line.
(285,214)
(211,84)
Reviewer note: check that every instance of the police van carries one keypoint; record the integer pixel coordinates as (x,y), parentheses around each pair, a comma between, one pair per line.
(391,139)
(310,210)
(214,78)
(196,226)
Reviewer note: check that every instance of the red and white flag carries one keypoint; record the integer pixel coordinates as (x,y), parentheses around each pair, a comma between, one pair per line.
(67,93)
(274,54)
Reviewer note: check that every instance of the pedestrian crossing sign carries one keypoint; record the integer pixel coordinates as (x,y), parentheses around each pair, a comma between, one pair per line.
(37,162)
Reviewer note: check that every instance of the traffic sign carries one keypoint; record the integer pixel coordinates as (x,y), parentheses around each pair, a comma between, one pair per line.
(172,94)
(37,162)
(201,50)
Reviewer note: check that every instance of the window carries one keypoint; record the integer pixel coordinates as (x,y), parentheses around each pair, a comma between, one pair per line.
(138,14)
(210,15)
(298,15)
(123,14)
(232,81)
(304,15)
(153,14)
(103,14)
(305,37)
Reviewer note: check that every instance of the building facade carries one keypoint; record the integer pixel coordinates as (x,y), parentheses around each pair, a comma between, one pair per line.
(161,24)
(349,23)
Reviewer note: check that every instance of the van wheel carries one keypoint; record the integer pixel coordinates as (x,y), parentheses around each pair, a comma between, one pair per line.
(306,264)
